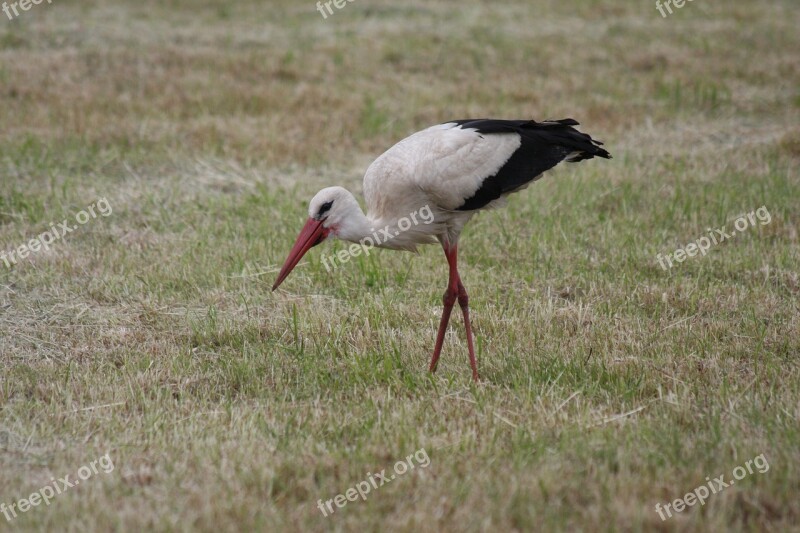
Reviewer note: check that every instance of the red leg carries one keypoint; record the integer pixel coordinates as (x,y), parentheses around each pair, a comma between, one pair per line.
(449,299)
(455,290)
(463,301)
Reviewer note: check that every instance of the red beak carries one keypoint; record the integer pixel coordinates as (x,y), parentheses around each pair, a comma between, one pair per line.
(311,235)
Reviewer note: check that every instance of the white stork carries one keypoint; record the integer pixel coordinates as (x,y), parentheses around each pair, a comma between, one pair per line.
(454,169)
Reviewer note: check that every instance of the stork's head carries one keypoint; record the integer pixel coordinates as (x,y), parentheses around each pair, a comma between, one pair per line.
(330,213)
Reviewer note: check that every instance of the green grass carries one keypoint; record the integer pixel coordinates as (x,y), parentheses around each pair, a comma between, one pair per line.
(609,384)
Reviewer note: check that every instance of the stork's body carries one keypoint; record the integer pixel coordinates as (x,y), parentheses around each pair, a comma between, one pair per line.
(455,170)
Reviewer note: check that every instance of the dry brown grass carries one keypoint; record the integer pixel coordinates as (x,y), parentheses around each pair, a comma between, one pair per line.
(152,334)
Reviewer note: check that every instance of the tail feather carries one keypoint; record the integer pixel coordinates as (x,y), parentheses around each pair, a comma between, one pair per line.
(562,133)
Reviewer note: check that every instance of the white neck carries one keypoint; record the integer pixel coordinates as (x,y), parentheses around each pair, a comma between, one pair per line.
(355,226)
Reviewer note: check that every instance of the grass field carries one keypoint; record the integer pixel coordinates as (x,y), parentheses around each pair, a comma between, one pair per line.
(610,384)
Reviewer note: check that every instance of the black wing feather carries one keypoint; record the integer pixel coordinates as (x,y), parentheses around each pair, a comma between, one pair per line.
(543,146)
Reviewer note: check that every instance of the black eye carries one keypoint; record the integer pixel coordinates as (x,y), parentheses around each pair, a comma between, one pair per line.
(324,208)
